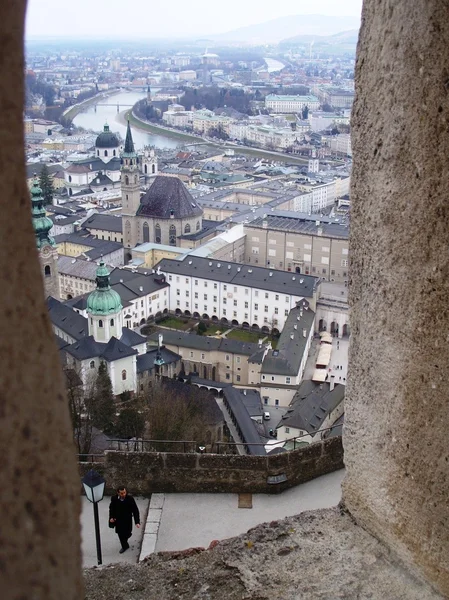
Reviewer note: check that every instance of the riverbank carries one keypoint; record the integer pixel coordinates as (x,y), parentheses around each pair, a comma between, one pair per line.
(74,110)
(256,152)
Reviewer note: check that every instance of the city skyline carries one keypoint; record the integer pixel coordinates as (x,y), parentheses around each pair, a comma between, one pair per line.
(105,19)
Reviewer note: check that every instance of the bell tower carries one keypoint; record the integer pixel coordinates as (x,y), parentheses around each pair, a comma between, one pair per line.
(48,254)
(130,190)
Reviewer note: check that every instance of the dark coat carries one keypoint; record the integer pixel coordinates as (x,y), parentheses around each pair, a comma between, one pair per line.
(123,511)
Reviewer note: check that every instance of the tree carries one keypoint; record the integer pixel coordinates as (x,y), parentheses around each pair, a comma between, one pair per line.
(80,416)
(202,328)
(305,113)
(46,185)
(130,423)
(101,403)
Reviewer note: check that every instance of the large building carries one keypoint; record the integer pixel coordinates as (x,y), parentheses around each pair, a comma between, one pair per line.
(46,246)
(290,104)
(313,247)
(234,293)
(166,212)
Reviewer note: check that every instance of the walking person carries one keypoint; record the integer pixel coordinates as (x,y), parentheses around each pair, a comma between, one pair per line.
(122,509)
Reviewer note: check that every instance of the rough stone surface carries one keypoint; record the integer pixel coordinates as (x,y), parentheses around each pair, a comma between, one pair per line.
(320,555)
(40,555)
(396,406)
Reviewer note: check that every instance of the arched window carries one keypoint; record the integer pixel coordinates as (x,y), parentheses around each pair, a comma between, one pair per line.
(70,179)
(127,180)
(47,271)
(146,232)
(172,235)
(153,169)
(187,228)
(105,152)
(114,153)
(157,234)
(123,374)
(197,225)
(92,364)
(98,152)
(100,323)
(146,169)
(112,322)
(135,179)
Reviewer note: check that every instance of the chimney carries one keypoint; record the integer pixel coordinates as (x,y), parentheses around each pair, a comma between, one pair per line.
(295,326)
(292,336)
(332,383)
(304,332)
(244,392)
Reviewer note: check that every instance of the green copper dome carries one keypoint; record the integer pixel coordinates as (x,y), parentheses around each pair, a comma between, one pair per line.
(103,301)
(41,223)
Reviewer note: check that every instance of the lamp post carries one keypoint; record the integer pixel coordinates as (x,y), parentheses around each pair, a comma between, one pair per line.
(93,484)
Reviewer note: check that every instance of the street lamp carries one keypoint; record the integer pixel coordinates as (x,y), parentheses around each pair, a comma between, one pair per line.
(93,484)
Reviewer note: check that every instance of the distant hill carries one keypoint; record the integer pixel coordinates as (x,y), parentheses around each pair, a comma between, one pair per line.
(287,27)
(344,37)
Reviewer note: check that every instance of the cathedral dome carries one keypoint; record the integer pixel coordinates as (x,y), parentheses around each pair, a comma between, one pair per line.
(103,301)
(107,139)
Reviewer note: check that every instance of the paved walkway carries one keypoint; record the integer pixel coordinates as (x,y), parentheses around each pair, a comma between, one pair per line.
(110,544)
(197,519)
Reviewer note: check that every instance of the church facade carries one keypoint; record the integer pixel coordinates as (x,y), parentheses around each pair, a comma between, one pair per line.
(164,213)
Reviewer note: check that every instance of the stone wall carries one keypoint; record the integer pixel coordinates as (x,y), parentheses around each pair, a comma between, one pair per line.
(396,405)
(147,472)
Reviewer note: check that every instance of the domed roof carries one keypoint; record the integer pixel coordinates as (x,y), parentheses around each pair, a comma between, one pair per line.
(107,139)
(103,301)
(41,223)
(168,198)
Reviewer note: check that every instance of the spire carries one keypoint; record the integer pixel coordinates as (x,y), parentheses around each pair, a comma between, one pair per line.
(129,144)
(41,223)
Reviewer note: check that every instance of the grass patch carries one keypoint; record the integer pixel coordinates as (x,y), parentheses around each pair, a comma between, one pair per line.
(244,336)
(212,330)
(174,323)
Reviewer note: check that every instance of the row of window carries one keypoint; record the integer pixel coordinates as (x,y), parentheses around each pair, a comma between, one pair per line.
(225,288)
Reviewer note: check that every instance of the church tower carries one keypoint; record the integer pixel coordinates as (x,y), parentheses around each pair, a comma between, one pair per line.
(314,163)
(104,309)
(130,190)
(149,164)
(48,254)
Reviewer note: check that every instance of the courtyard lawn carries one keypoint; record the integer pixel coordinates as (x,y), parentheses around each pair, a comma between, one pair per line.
(244,336)
(174,323)
(212,330)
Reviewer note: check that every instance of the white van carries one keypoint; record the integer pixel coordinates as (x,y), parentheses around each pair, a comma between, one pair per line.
(266,416)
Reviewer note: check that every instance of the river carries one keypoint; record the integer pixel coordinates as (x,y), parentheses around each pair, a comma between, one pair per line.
(95,120)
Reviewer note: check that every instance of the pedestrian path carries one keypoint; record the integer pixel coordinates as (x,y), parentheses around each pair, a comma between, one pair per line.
(240,448)
(151,527)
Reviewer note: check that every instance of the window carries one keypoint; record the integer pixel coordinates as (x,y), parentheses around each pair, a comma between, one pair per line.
(224,311)
(286,312)
(235,302)
(100,323)
(205,296)
(344,251)
(227,357)
(276,402)
(288,380)
(178,302)
(141,304)
(332,272)
(203,356)
(205,308)
(187,305)
(287,430)
(325,248)
(238,378)
(246,291)
(324,271)
(205,284)
(111,322)
(235,313)
(177,279)
(237,360)
(172,235)
(196,295)
(187,228)
(224,301)
(256,294)
(265,400)
(157,233)
(123,375)
(170,277)
(276,297)
(307,246)
(246,305)
(197,225)
(265,319)
(187,294)
(228,376)
(215,298)
(47,271)
(272,378)
(215,286)
(187,280)
(196,306)
(235,290)
(287,298)
(255,317)
(271,252)
(191,355)
(344,263)
(245,316)
(225,287)
(266,295)
(276,311)
(178,292)
(92,364)
(265,308)
(256,307)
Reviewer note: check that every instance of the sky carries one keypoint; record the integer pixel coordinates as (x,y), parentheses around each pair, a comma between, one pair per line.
(174,18)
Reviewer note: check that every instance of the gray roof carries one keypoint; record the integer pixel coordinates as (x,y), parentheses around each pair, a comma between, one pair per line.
(88,240)
(311,404)
(243,275)
(167,196)
(247,427)
(104,222)
(132,338)
(286,358)
(57,220)
(96,164)
(66,319)
(296,224)
(33,168)
(88,348)
(145,362)
(203,342)
(77,267)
